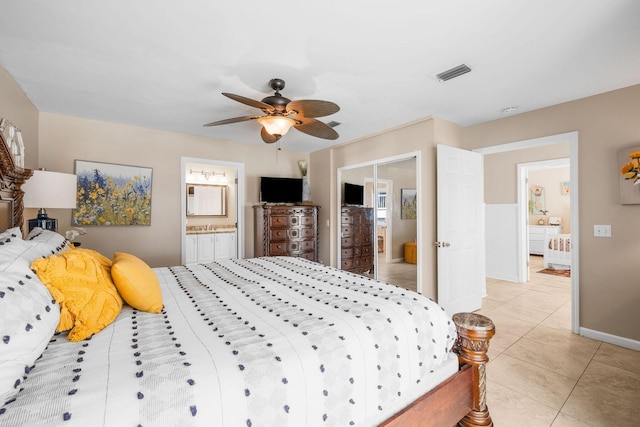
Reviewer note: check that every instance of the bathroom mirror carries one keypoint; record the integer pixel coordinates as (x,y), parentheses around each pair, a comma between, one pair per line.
(206,200)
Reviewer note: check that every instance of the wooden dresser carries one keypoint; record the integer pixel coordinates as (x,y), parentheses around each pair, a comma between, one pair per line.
(286,231)
(356,239)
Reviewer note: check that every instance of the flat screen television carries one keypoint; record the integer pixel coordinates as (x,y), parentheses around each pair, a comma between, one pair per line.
(280,190)
(353,194)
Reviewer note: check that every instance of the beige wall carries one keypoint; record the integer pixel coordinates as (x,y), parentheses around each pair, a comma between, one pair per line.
(422,137)
(501,170)
(18,109)
(556,203)
(65,138)
(609,285)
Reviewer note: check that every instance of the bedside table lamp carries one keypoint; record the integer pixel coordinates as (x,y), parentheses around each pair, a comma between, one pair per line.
(46,189)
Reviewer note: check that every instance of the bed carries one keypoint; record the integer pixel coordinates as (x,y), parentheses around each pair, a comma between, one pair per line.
(557,252)
(273,341)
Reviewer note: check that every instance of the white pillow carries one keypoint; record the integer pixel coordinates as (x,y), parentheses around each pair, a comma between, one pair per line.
(28,319)
(14,232)
(28,313)
(17,254)
(56,242)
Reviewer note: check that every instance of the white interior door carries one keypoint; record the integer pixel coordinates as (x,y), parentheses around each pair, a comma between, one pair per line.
(460,230)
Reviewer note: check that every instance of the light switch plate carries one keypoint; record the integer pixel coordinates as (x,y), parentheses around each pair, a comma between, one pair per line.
(602,230)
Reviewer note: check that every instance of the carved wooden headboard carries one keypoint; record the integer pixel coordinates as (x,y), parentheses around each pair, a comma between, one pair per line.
(11,179)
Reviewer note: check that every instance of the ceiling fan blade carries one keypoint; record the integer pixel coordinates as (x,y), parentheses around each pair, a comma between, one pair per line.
(316,128)
(250,102)
(313,107)
(268,138)
(233,120)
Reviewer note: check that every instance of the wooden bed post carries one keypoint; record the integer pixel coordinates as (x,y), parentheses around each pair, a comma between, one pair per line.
(474,333)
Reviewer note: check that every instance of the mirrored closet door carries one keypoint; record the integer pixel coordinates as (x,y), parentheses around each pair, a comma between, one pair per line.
(378,233)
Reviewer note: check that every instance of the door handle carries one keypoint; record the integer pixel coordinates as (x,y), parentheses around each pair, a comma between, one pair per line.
(441,244)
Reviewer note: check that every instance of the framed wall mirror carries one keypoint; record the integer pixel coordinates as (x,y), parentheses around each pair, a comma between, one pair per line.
(206,200)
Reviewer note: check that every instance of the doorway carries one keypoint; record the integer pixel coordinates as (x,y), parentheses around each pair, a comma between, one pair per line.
(547,183)
(522,234)
(209,174)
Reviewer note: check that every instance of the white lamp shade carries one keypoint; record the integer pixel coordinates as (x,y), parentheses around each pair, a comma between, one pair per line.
(276,125)
(50,190)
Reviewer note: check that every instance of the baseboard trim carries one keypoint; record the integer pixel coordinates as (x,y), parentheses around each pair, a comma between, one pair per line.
(611,339)
(503,277)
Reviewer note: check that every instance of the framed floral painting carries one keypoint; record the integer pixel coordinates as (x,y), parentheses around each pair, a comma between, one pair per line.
(409,204)
(629,176)
(112,194)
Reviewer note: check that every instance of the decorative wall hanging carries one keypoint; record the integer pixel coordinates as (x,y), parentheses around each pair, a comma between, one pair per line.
(537,205)
(564,188)
(111,194)
(409,203)
(13,138)
(629,167)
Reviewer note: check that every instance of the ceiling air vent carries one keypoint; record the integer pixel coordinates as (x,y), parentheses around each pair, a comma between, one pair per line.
(453,73)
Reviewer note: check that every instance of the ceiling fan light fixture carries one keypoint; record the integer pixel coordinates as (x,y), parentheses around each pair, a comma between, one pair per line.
(276,125)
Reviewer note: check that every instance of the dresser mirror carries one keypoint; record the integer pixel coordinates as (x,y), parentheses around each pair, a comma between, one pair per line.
(206,200)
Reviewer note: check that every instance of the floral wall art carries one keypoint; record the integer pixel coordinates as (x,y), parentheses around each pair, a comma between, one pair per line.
(112,194)
(409,206)
(629,178)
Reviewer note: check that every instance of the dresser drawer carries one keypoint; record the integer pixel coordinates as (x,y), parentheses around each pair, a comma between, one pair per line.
(278,234)
(279,248)
(366,260)
(307,220)
(346,253)
(346,263)
(311,256)
(279,221)
(308,245)
(307,233)
(346,231)
(346,242)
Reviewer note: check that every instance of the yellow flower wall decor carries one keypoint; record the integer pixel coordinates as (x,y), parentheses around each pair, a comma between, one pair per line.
(111,194)
(629,167)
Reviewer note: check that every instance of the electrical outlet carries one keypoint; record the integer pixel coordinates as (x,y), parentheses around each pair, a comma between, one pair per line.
(602,230)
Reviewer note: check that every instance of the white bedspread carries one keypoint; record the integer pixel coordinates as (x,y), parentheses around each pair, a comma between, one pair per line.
(257,342)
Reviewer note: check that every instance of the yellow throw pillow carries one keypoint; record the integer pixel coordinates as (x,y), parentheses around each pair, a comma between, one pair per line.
(80,282)
(137,283)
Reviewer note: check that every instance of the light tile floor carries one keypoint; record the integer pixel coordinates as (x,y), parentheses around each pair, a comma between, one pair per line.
(540,374)
(401,274)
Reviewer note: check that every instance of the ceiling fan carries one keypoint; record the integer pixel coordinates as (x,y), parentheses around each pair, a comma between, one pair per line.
(280,114)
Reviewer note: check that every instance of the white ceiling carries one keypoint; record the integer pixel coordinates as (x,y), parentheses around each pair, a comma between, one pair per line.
(163,64)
